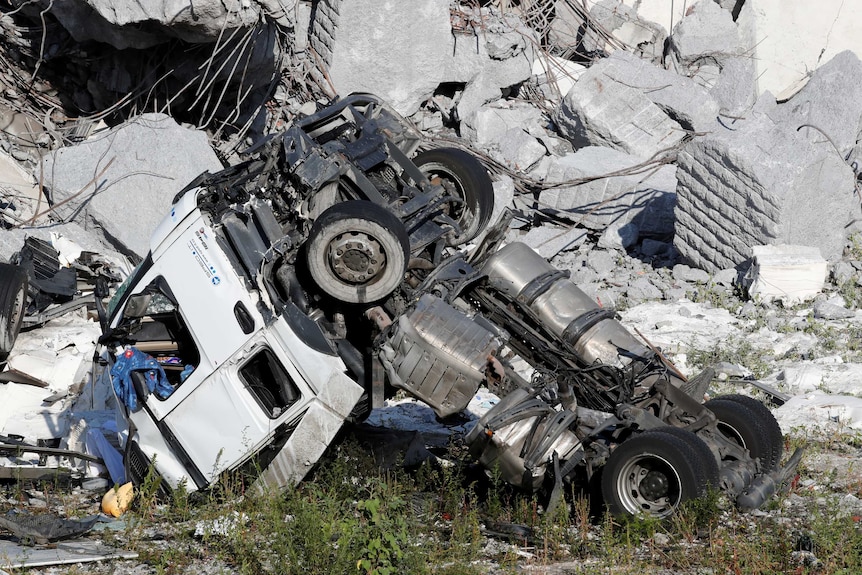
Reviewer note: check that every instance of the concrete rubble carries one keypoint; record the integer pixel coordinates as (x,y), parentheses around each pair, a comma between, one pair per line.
(603,145)
(122,181)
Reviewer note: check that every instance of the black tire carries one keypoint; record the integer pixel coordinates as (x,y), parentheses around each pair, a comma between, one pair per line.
(13,306)
(358,252)
(750,424)
(655,472)
(464,177)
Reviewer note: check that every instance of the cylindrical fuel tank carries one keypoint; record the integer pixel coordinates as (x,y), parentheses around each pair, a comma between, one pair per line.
(562,307)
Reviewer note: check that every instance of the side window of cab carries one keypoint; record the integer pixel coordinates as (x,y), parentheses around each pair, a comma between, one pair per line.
(153,324)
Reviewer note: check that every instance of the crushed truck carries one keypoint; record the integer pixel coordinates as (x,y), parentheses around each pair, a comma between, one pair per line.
(297,290)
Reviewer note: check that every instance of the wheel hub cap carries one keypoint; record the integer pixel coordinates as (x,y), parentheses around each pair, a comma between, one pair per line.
(654,485)
(356,258)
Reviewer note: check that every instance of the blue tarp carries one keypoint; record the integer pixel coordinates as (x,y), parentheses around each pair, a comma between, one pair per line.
(132,360)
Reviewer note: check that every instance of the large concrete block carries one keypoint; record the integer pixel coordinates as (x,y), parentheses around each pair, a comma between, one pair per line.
(389,48)
(680,97)
(135,24)
(489,124)
(830,104)
(621,22)
(790,39)
(762,184)
(151,159)
(707,30)
(601,111)
(645,198)
(403,51)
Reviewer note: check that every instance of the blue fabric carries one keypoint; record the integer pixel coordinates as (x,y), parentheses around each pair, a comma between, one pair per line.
(133,359)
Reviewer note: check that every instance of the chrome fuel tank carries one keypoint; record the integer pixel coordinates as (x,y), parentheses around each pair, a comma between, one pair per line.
(563,308)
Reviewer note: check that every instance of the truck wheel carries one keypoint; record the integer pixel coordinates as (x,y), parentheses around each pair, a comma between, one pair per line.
(750,424)
(358,251)
(654,472)
(13,303)
(464,177)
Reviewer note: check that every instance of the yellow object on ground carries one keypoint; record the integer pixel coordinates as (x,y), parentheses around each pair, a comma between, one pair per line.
(117,500)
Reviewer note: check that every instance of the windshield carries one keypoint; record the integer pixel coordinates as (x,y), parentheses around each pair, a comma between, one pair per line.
(120,294)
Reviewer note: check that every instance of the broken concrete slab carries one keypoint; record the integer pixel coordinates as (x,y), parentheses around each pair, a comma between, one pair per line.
(601,111)
(489,123)
(496,55)
(519,150)
(130,24)
(123,181)
(792,39)
(555,76)
(548,241)
(833,308)
(829,108)
(622,22)
(706,32)
(742,188)
(686,102)
(735,89)
(708,46)
(349,36)
(791,274)
(646,197)
(430,46)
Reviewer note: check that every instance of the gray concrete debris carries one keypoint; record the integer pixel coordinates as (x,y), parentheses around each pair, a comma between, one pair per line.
(621,21)
(602,111)
(708,46)
(647,198)
(641,289)
(129,24)
(829,107)
(429,46)
(747,187)
(151,159)
(842,272)
(686,102)
(603,261)
(705,35)
(685,273)
(831,309)
(619,236)
(519,150)
(548,241)
(726,278)
(489,123)
(735,89)
(349,36)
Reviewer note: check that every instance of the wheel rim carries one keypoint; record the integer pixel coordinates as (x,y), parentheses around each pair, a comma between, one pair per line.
(18,309)
(649,484)
(460,212)
(732,434)
(356,258)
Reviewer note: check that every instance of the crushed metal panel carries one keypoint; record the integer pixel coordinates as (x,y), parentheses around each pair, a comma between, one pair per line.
(304,448)
(14,556)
